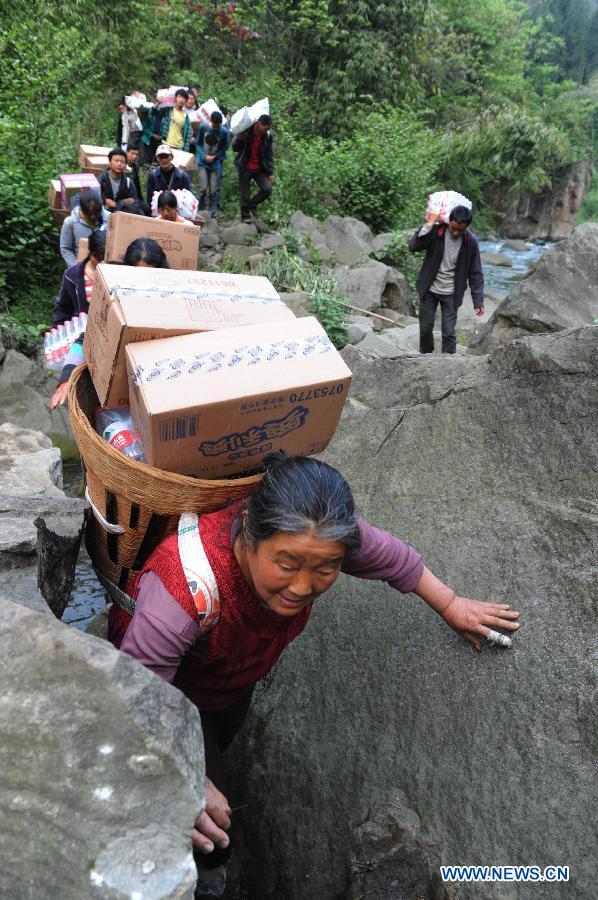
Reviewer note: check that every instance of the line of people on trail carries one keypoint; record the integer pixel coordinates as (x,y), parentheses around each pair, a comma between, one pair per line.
(146,136)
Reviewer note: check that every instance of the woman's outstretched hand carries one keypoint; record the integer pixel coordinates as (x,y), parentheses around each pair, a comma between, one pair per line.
(474,618)
(59,396)
(211,826)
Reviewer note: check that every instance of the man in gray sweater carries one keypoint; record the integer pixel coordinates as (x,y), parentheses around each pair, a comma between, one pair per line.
(452,260)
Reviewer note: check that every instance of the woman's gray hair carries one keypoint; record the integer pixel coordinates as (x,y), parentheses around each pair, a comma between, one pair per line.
(300,494)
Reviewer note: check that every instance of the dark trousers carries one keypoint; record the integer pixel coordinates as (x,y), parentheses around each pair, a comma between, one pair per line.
(265,189)
(219,727)
(427,313)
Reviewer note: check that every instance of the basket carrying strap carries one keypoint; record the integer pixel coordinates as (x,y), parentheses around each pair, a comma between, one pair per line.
(198,573)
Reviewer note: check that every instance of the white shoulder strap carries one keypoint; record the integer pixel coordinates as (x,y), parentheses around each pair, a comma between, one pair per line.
(198,572)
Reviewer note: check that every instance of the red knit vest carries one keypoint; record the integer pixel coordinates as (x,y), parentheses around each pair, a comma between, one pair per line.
(249,637)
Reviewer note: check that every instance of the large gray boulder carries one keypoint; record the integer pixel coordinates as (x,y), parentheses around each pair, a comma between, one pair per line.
(237,233)
(312,232)
(562,291)
(100,769)
(374,284)
(25,392)
(349,240)
(384,744)
(40,528)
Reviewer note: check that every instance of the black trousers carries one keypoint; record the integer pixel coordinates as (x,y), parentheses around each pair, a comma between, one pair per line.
(265,189)
(427,313)
(219,727)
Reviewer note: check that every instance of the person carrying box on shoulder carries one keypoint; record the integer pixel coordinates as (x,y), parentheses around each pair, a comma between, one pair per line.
(452,260)
(172,125)
(255,162)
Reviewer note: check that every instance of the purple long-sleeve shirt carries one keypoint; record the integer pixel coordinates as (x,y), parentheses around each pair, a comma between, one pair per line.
(161,632)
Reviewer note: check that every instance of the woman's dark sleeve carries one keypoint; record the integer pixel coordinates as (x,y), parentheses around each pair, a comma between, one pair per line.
(63,308)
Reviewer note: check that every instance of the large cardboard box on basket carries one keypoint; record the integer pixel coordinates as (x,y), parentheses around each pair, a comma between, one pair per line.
(54,196)
(212,405)
(87,150)
(179,242)
(95,164)
(131,304)
(75,183)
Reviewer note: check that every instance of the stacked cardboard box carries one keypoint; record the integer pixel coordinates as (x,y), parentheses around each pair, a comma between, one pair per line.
(131,304)
(179,241)
(93,159)
(212,405)
(73,184)
(54,202)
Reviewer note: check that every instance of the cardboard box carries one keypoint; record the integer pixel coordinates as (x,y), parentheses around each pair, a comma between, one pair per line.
(73,184)
(95,164)
(83,249)
(131,304)
(185,161)
(54,198)
(179,242)
(87,150)
(211,405)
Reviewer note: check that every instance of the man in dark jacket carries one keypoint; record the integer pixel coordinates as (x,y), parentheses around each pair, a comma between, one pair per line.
(115,185)
(452,260)
(255,161)
(166,176)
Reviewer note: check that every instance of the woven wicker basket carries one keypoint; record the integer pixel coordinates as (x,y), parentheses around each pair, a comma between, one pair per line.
(59,215)
(134,505)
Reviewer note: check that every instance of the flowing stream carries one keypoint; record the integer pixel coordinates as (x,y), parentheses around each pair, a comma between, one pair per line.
(500,279)
(88,598)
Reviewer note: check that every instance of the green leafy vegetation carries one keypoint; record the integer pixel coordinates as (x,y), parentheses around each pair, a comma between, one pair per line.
(376,103)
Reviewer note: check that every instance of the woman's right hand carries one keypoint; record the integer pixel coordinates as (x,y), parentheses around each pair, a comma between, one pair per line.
(211,826)
(59,396)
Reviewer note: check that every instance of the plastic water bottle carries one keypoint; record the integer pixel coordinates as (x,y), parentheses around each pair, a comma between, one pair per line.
(117,429)
(51,350)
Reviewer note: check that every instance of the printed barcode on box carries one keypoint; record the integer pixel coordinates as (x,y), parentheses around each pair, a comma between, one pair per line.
(178,429)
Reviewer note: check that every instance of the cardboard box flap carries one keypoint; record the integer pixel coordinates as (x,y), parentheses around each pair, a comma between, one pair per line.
(122,281)
(240,365)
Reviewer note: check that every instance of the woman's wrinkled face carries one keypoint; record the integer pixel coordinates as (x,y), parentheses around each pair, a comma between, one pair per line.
(289,571)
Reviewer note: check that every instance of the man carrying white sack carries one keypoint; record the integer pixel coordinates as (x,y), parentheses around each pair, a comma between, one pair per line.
(452,261)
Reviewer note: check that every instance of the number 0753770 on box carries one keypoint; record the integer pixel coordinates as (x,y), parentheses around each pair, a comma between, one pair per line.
(214,404)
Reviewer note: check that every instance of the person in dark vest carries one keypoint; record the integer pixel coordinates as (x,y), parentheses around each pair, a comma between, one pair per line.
(452,261)
(115,185)
(253,571)
(255,162)
(166,176)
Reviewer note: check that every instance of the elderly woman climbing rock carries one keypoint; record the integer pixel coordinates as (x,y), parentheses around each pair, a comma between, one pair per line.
(217,603)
